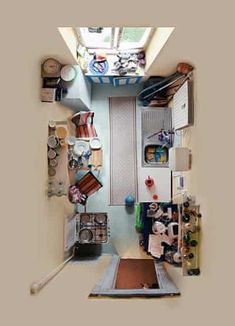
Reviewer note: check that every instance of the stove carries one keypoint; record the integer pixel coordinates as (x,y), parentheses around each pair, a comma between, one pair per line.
(92,228)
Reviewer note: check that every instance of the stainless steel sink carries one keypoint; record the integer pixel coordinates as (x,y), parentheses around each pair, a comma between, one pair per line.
(152,121)
(155,155)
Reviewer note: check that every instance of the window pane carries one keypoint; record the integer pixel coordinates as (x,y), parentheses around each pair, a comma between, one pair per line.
(134,37)
(97,40)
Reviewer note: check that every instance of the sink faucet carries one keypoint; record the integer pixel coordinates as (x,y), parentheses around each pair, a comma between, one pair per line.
(164,136)
(155,134)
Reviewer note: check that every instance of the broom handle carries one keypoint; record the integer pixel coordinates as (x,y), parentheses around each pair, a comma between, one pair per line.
(38,285)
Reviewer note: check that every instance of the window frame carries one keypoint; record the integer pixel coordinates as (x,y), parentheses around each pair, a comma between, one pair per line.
(84,43)
(116,35)
(142,43)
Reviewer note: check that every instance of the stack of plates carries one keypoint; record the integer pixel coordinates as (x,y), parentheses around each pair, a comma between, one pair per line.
(81,147)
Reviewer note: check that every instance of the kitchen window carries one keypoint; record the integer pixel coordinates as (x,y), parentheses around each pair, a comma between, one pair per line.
(114,39)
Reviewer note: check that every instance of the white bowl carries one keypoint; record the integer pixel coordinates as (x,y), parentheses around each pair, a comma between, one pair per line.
(95,143)
(68,73)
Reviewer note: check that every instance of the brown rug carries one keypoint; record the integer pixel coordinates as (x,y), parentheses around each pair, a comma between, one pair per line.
(123,177)
(136,274)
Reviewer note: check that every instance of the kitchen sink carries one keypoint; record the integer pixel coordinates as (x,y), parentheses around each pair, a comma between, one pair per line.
(156,155)
(153,122)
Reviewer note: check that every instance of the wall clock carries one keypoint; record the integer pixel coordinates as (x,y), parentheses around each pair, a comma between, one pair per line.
(51,68)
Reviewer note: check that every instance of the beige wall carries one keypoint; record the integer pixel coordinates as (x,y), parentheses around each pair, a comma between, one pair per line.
(179,48)
(71,40)
(157,42)
(30,230)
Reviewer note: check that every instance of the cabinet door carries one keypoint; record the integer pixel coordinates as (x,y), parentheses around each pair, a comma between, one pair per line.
(70,232)
(78,94)
(161,187)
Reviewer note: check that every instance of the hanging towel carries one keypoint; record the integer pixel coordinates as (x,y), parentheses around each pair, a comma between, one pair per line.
(89,184)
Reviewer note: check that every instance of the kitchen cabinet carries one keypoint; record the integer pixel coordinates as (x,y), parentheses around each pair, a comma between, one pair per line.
(78,92)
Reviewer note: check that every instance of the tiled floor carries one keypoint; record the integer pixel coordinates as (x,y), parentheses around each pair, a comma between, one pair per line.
(122,222)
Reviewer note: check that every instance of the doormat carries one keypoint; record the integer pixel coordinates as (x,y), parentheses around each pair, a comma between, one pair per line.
(123,177)
(136,274)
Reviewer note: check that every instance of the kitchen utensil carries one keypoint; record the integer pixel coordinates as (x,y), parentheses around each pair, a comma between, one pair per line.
(100,218)
(85,235)
(85,218)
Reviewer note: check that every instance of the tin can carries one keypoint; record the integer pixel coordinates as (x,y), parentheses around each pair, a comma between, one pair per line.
(53,141)
(51,154)
(53,162)
(51,172)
